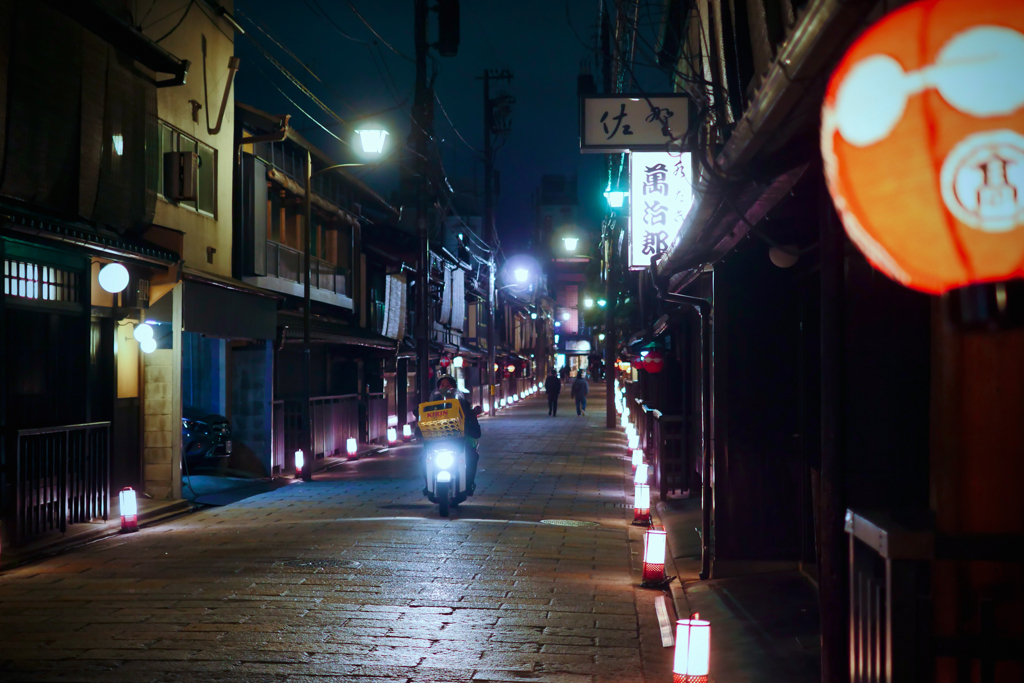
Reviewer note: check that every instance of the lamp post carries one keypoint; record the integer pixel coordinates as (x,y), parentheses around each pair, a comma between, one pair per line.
(307,440)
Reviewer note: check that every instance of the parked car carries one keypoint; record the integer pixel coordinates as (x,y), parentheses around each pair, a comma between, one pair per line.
(204,436)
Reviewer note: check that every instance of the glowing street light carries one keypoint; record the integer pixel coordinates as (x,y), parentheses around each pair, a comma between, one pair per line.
(602,303)
(570,243)
(372,140)
(522,275)
(566,316)
(615,198)
(588,303)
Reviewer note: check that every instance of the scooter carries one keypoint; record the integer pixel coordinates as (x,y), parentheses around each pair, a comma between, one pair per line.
(442,426)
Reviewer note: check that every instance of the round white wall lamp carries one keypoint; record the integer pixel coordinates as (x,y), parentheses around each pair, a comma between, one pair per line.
(113,278)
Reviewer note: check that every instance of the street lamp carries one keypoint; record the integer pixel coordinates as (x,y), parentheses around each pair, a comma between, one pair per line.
(372,140)
(521,275)
(570,243)
(602,303)
(373,143)
(588,303)
(615,199)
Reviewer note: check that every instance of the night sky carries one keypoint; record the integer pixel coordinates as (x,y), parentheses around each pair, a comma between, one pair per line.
(533,38)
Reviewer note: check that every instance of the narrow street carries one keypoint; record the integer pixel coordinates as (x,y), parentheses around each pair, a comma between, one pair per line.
(354,577)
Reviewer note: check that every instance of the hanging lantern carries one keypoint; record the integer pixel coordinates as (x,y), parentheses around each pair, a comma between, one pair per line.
(351,448)
(445,362)
(639,362)
(654,362)
(407,432)
(692,660)
(654,555)
(640,469)
(300,460)
(641,504)
(392,436)
(129,510)
(923,142)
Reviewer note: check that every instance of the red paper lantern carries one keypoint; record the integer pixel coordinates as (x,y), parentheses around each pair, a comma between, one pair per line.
(445,362)
(639,362)
(654,362)
(923,142)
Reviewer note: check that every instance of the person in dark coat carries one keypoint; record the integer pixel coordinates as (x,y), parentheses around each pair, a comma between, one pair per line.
(553,387)
(447,388)
(580,389)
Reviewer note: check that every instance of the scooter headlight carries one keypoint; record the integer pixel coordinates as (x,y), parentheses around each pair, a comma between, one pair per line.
(444,459)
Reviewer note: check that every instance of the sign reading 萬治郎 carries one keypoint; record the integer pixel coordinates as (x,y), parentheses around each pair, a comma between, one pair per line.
(660,196)
(631,123)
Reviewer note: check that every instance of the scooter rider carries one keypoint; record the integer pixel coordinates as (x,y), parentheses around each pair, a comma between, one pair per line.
(447,389)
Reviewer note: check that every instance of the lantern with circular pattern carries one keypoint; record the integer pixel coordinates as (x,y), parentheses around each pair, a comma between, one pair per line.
(923,143)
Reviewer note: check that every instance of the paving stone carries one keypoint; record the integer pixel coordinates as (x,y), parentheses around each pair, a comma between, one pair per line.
(490,594)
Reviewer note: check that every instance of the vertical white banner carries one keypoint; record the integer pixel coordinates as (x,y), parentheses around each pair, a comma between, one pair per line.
(660,196)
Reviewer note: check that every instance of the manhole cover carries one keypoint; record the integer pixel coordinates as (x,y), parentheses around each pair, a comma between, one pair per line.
(313,565)
(567,522)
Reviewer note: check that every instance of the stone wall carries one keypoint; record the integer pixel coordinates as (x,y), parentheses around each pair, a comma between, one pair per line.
(158,425)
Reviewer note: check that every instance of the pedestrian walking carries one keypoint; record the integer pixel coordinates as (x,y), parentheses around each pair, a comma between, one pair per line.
(580,389)
(553,387)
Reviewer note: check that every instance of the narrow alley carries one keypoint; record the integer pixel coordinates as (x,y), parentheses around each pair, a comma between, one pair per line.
(354,577)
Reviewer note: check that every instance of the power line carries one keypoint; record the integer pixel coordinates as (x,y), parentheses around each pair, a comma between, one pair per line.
(379,37)
(295,81)
(443,111)
(175,27)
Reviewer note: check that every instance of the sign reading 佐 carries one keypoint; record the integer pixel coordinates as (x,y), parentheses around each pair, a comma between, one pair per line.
(660,196)
(630,123)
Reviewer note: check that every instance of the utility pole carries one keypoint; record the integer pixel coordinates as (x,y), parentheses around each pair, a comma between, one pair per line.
(489,231)
(422,122)
(611,244)
(306,414)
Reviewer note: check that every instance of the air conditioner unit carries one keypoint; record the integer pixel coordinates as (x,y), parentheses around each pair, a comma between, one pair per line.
(181,176)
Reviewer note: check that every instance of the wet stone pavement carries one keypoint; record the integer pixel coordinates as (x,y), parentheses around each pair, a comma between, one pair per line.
(354,577)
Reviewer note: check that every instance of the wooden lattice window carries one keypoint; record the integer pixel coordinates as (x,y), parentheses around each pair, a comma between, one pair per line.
(40,282)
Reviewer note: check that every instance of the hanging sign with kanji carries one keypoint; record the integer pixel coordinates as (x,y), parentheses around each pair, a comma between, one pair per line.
(660,196)
(630,123)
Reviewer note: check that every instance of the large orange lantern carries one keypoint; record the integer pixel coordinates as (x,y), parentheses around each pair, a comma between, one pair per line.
(923,142)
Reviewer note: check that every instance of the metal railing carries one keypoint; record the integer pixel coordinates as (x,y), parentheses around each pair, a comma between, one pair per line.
(62,477)
(286,263)
(892,630)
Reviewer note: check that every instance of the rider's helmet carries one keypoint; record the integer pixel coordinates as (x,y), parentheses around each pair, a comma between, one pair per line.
(446,386)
